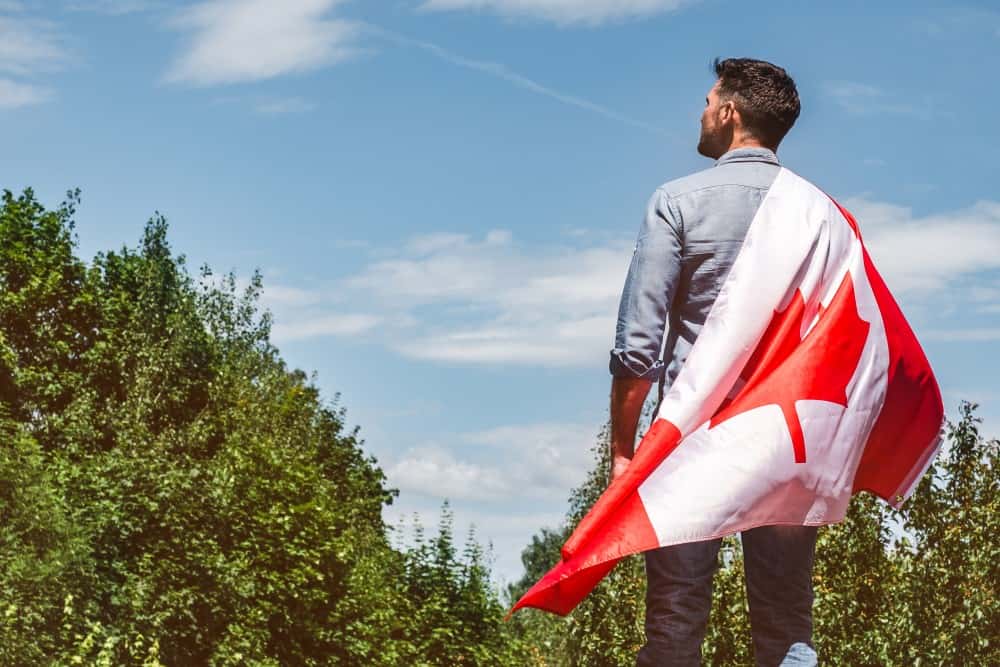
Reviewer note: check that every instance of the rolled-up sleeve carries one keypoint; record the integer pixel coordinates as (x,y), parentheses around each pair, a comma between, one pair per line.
(648,293)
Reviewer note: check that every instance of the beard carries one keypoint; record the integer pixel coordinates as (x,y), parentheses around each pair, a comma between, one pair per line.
(713,144)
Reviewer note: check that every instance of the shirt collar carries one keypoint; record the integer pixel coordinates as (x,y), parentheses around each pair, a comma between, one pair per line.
(752,154)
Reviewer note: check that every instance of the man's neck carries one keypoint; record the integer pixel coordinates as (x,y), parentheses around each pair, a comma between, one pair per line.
(748,142)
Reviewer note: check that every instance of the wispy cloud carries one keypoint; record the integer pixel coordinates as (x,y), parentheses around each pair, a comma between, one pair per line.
(543,460)
(508,481)
(453,298)
(282,296)
(14,95)
(29,48)
(550,458)
(563,12)
(985,297)
(436,472)
(865,99)
(501,71)
(230,41)
(325,325)
(306,313)
(30,45)
(495,301)
(920,253)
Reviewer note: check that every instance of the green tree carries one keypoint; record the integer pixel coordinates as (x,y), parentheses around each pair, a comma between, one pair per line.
(46,324)
(606,628)
(456,613)
(171,492)
(949,556)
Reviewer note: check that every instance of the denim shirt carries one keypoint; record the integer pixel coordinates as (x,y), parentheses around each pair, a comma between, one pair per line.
(693,229)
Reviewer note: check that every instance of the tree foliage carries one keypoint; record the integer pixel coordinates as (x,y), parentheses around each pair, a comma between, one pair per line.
(171,493)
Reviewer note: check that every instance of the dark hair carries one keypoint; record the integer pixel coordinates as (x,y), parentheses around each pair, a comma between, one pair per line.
(763,93)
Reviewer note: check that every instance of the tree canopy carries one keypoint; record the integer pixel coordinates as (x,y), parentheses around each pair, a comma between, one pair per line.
(172,493)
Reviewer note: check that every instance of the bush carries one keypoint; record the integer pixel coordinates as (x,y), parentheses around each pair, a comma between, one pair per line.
(171,492)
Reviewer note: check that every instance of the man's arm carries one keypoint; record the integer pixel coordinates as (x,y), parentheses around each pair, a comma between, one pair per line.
(627,397)
(642,317)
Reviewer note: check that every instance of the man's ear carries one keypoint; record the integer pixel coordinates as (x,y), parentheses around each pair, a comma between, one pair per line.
(727,111)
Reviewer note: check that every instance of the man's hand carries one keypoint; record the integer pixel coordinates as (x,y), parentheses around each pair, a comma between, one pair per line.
(627,397)
(618,465)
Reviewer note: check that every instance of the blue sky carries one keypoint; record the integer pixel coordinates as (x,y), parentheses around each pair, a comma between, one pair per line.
(443,195)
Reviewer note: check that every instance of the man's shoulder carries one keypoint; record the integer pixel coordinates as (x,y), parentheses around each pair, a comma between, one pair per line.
(759,177)
(689,183)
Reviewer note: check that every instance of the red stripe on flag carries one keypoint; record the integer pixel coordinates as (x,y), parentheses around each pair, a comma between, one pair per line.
(563,587)
(661,439)
(615,527)
(908,426)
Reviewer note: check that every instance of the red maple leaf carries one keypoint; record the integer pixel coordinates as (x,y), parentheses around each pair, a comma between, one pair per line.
(785,367)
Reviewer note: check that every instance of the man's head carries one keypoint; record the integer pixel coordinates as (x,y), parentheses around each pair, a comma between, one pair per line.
(753,103)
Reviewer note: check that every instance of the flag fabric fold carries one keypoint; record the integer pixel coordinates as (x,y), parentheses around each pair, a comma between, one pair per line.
(805,385)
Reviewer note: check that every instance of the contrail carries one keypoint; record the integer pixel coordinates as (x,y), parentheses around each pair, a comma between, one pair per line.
(501,71)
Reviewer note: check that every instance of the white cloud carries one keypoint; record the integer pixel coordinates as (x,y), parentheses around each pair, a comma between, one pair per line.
(565,12)
(929,252)
(248,40)
(14,95)
(508,481)
(985,297)
(551,306)
(435,472)
(545,344)
(327,325)
(305,313)
(29,46)
(539,461)
(284,296)
(452,298)
(546,459)
(436,267)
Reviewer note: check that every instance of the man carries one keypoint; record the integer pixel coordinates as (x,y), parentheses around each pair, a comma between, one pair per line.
(693,229)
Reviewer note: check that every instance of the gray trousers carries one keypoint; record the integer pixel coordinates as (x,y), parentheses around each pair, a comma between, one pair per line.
(778,564)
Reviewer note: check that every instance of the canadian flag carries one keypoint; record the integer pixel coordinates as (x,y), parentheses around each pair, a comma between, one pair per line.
(805,385)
